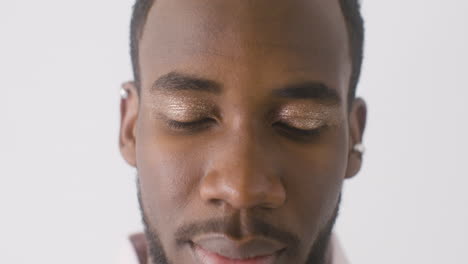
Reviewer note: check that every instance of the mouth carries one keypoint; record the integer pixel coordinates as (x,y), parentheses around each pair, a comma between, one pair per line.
(218,249)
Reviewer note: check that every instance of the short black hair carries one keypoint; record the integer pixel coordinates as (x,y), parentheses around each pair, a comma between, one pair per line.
(351,10)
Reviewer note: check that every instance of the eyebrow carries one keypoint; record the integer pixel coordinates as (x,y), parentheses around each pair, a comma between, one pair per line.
(313,90)
(175,81)
(309,90)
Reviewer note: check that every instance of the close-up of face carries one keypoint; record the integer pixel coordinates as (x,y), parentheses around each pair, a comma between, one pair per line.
(234,132)
(241,128)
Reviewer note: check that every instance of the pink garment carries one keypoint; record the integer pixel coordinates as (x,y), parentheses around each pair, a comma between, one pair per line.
(134,251)
(338,256)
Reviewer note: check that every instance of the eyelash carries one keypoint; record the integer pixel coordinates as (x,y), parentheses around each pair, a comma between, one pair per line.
(297,133)
(290,131)
(192,126)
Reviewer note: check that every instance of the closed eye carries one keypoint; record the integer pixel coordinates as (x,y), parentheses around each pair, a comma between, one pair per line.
(191,126)
(298,133)
(288,130)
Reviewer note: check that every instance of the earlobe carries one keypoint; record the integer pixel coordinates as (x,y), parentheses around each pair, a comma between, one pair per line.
(129,104)
(357,125)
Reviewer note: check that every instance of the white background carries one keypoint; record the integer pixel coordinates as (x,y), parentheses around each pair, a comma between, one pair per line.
(66,196)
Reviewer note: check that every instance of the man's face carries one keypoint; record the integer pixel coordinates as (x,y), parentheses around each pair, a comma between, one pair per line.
(242,133)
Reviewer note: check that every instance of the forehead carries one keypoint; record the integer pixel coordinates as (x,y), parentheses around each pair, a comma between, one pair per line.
(266,41)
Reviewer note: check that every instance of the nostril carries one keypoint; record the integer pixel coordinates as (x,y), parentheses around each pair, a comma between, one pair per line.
(216,202)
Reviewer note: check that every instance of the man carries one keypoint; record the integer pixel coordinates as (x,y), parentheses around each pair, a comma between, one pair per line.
(242,123)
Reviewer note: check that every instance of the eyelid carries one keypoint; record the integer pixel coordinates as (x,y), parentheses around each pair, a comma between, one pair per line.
(300,134)
(184,109)
(307,115)
(303,123)
(189,126)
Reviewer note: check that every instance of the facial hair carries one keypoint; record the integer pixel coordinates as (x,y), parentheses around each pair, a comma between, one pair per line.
(317,253)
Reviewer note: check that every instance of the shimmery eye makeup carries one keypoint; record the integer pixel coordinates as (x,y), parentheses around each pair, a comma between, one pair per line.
(308,117)
(183,109)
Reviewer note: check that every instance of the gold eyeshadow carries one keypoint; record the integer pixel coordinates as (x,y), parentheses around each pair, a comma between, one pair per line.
(304,115)
(183,108)
(308,116)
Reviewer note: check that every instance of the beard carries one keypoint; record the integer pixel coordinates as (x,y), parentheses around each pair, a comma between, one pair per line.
(317,253)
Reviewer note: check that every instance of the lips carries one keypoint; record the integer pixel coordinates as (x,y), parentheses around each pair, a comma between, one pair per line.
(218,249)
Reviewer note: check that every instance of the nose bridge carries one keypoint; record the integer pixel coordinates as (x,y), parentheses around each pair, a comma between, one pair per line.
(247,159)
(243,174)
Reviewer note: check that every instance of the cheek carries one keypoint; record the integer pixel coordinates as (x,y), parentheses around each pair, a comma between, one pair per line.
(314,181)
(168,176)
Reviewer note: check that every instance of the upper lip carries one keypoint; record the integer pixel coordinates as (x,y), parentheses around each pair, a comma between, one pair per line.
(248,247)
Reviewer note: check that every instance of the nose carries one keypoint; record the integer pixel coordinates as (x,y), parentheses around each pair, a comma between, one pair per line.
(243,176)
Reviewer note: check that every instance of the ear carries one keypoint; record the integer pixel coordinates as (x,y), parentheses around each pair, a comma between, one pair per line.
(129,106)
(357,124)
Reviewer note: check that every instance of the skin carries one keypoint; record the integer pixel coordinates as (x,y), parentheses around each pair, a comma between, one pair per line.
(243,161)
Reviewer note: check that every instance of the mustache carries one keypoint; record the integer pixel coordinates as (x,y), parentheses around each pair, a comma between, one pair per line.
(229,225)
(235,229)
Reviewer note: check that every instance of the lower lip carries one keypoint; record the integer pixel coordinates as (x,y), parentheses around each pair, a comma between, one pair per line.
(207,257)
